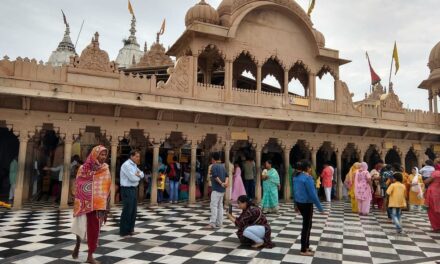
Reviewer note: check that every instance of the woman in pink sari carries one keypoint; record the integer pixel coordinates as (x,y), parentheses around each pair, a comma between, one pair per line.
(432,200)
(363,189)
(237,185)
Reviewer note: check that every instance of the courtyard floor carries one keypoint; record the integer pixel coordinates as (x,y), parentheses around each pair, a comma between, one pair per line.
(175,234)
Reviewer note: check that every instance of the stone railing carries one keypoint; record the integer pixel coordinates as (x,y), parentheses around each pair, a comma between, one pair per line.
(419,116)
(210,92)
(370,110)
(244,96)
(323,105)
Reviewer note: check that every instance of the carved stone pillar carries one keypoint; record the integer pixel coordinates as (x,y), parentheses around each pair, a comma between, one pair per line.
(227,150)
(228,79)
(361,154)
(312,85)
(113,157)
(339,174)
(68,141)
(314,152)
(383,154)
(258,176)
(192,179)
(286,87)
(435,99)
(195,74)
(19,183)
(430,104)
(259,80)
(155,172)
(403,160)
(287,176)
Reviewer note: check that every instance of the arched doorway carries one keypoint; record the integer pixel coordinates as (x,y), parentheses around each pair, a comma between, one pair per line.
(410,160)
(9,145)
(212,65)
(325,154)
(299,152)
(393,156)
(349,157)
(326,79)
(274,152)
(430,153)
(245,72)
(273,76)
(298,79)
(372,156)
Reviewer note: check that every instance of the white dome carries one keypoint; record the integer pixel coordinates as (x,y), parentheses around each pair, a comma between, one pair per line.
(126,55)
(65,49)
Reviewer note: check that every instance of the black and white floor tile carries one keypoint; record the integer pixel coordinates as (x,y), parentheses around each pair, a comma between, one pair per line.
(175,234)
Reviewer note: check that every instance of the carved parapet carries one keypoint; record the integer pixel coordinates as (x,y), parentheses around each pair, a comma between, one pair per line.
(6,66)
(93,58)
(180,78)
(135,83)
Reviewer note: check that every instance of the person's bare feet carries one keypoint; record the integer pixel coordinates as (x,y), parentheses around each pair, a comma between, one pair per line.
(134,233)
(307,253)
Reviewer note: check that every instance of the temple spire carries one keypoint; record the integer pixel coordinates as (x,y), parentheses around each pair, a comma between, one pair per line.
(65,48)
(132,39)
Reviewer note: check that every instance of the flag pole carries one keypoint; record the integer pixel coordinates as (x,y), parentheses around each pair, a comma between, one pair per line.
(79,33)
(391,70)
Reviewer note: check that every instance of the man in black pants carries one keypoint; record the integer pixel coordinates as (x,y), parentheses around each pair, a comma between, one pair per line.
(129,179)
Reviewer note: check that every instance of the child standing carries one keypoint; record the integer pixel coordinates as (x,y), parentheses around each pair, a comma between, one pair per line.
(160,186)
(397,200)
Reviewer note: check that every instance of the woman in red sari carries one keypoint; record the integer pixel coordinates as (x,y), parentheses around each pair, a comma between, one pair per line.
(432,199)
(92,197)
(253,227)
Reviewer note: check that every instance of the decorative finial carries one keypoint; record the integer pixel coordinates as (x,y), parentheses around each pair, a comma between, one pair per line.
(391,90)
(132,39)
(145,47)
(133,61)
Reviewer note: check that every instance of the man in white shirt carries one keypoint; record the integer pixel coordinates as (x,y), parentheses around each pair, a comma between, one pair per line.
(129,179)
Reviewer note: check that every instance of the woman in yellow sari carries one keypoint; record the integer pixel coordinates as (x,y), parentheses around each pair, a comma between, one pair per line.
(350,184)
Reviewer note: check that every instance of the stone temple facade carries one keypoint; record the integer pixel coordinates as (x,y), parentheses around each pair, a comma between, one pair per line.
(201,102)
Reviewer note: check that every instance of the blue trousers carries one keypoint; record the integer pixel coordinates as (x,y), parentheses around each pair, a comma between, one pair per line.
(255,233)
(396,214)
(174,191)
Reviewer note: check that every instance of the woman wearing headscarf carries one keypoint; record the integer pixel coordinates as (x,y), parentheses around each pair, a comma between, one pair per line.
(433,197)
(351,185)
(415,181)
(92,200)
(271,186)
(363,189)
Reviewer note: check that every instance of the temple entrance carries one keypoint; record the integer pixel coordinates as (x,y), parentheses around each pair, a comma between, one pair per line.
(176,146)
(9,145)
(44,165)
(208,146)
(349,157)
(325,154)
(430,153)
(372,156)
(241,151)
(88,138)
(273,151)
(299,152)
(392,156)
(410,161)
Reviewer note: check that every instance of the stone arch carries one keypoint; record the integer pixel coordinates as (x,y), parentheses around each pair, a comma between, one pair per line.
(411,160)
(9,145)
(393,156)
(350,156)
(299,152)
(324,84)
(273,151)
(273,67)
(299,74)
(244,62)
(326,153)
(211,62)
(430,153)
(372,156)
(291,8)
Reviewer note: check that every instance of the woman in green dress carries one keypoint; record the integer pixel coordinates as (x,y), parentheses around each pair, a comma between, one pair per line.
(271,186)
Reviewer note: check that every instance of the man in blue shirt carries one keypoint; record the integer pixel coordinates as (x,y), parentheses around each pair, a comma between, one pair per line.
(129,179)
(219,179)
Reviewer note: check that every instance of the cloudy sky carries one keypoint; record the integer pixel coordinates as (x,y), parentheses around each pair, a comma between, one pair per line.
(34,28)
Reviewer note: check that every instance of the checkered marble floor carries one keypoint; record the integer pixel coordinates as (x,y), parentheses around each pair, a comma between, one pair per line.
(175,234)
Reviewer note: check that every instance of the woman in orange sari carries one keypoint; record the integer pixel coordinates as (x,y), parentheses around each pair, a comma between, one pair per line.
(92,198)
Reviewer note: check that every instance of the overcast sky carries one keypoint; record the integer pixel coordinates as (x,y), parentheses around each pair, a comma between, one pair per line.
(34,28)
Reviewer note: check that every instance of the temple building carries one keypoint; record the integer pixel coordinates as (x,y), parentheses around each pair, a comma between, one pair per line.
(204,94)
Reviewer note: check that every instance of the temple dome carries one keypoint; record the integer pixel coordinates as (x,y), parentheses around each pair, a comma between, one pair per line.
(64,51)
(434,58)
(130,53)
(320,39)
(202,12)
(225,7)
